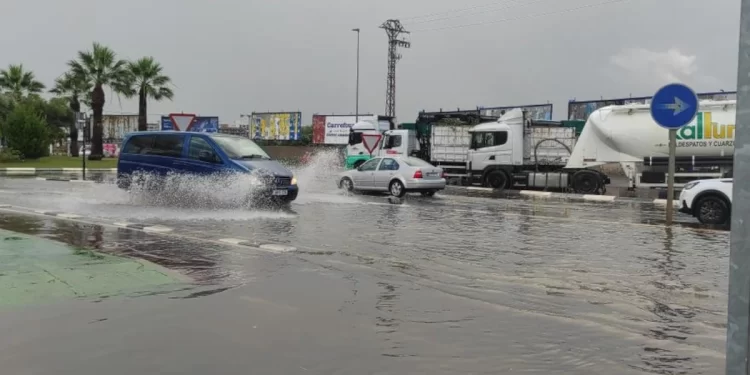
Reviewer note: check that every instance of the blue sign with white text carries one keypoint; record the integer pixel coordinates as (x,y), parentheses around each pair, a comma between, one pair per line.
(674,106)
(205,124)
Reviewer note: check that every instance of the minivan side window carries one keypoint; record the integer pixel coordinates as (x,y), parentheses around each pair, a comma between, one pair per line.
(198,145)
(167,145)
(139,144)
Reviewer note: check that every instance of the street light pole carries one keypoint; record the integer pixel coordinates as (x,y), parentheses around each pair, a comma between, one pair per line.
(356,106)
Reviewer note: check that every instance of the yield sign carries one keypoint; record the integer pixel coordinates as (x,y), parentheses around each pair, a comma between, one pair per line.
(370,141)
(181,121)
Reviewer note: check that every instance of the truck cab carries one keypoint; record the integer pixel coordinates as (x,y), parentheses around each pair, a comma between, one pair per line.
(356,154)
(496,145)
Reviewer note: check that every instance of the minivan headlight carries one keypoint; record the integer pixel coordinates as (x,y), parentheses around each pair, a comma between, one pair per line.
(294,180)
(690,185)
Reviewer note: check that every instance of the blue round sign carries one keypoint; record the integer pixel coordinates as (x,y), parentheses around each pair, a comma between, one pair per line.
(674,106)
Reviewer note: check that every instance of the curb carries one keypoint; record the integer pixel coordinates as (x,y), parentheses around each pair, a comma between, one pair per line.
(19,170)
(492,193)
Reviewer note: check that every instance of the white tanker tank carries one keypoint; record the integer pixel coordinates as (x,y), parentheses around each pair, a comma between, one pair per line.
(628,135)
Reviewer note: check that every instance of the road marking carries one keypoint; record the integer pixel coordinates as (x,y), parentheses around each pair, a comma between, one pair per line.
(535,193)
(599,198)
(69,216)
(278,248)
(233,241)
(664,202)
(87,181)
(73,169)
(20,171)
(157,229)
(478,188)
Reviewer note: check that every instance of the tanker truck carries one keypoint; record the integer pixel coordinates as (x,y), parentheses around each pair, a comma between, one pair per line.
(517,152)
(628,135)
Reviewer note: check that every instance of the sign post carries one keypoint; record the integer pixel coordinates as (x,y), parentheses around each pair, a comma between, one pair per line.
(738,313)
(371,141)
(672,107)
(81,125)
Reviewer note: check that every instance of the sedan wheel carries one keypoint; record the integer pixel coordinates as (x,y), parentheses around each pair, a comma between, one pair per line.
(346,184)
(397,189)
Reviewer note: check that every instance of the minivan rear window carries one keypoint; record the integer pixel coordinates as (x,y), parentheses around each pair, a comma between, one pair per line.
(169,145)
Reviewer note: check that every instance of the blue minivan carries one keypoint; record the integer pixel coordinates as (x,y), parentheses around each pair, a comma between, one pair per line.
(163,152)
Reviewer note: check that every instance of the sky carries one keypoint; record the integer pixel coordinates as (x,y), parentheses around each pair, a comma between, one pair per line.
(228,58)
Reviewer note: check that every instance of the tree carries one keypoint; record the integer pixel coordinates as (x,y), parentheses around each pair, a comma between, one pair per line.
(19,82)
(26,130)
(146,80)
(74,90)
(100,67)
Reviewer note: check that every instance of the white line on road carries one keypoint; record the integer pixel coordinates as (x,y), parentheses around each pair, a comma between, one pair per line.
(664,202)
(233,241)
(478,188)
(157,229)
(278,248)
(69,216)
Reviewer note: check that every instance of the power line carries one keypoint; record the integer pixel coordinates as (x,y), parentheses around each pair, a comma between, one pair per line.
(458,10)
(527,3)
(525,17)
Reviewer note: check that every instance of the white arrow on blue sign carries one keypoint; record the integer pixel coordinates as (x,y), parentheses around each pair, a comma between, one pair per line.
(674,106)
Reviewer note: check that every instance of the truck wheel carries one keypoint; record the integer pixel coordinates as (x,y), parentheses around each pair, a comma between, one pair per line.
(585,182)
(496,180)
(712,210)
(397,189)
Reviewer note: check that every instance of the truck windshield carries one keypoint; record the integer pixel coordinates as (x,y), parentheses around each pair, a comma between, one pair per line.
(355,138)
(239,147)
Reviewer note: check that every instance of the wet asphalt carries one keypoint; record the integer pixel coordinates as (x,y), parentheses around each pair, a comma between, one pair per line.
(442,285)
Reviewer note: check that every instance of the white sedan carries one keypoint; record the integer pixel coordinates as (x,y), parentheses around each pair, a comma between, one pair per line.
(395,175)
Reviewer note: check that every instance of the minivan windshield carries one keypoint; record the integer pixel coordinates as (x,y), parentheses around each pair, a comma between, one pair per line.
(239,147)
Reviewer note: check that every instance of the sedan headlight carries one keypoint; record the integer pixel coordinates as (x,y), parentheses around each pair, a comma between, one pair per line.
(690,185)
(294,180)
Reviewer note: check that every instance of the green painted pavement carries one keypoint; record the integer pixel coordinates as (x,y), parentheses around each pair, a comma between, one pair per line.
(36,270)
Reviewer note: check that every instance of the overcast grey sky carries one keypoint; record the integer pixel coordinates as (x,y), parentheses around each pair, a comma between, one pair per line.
(230,57)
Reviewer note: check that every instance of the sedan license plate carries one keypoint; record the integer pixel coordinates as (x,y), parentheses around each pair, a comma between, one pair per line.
(280,192)
(431,174)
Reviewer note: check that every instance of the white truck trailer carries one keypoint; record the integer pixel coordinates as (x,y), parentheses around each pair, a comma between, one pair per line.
(628,135)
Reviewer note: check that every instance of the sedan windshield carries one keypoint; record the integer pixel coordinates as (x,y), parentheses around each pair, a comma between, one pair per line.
(239,147)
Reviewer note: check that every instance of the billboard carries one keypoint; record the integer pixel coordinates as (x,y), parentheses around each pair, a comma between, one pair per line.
(114,127)
(206,124)
(334,129)
(535,111)
(580,110)
(283,126)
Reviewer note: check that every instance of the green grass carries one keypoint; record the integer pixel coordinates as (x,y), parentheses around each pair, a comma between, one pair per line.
(60,162)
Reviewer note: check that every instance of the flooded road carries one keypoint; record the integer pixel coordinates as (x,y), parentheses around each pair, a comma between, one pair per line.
(421,286)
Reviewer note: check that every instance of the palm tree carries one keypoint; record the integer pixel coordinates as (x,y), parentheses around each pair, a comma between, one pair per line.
(146,81)
(19,82)
(70,87)
(100,67)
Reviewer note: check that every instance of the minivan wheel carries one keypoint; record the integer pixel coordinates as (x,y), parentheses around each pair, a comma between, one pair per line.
(712,210)
(397,188)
